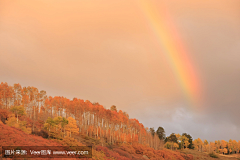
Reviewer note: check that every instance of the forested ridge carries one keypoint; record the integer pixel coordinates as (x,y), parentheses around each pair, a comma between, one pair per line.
(92,119)
(68,122)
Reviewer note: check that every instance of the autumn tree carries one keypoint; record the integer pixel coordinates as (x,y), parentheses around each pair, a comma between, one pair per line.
(57,131)
(18,94)
(223,144)
(49,124)
(234,146)
(195,144)
(230,146)
(71,127)
(178,138)
(12,121)
(190,146)
(198,144)
(184,141)
(63,124)
(113,108)
(206,146)
(6,94)
(171,145)
(238,148)
(18,111)
(172,139)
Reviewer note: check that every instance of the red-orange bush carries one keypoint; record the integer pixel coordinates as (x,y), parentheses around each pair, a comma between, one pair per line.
(128,148)
(122,153)
(10,136)
(111,154)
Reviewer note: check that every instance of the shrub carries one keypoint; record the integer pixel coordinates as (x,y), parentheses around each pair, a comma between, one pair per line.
(128,148)
(122,153)
(41,133)
(68,141)
(86,137)
(98,155)
(4,113)
(213,155)
(110,153)
(138,148)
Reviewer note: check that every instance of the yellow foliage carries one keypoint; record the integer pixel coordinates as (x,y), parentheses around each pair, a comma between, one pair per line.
(178,136)
(12,121)
(98,155)
(175,145)
(171,145)
(71,127)
(186,143)
(67,141)
(225,150)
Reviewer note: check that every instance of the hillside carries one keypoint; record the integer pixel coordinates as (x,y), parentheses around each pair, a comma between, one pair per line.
(42,112)
(10,136)
(78,122)
(205,155)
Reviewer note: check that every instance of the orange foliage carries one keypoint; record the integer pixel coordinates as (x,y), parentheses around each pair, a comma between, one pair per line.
(111,154)
(10,136)
(91,119)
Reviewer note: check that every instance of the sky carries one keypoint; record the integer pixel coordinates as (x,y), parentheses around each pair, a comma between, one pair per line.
(115,53)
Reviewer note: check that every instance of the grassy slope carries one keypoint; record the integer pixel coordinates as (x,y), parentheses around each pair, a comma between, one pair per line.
(204,156)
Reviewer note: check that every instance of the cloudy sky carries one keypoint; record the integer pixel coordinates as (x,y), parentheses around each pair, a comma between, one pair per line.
(108,52)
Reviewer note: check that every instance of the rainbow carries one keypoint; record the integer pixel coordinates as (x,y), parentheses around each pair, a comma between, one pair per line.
(173,49)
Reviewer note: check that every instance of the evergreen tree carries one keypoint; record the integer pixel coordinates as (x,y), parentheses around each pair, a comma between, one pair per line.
(161,133)
(152,131)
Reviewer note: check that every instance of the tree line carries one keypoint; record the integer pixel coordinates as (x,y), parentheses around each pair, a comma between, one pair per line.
(92,119)
(34,111)
(218,146)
